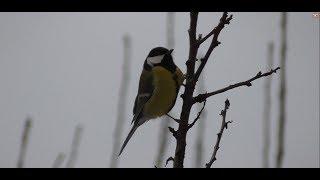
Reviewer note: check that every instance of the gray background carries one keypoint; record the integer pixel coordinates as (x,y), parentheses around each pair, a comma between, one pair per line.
(63,69)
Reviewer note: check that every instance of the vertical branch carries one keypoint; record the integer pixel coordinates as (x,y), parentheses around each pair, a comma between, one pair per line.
(181,133)
(164,133)
(122,101)
(192,78)
(59,160)
(201,127)
(24,142)
(266,113)
(75,147)
(282,93)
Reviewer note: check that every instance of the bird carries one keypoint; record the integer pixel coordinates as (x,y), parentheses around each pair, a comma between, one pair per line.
(159,85)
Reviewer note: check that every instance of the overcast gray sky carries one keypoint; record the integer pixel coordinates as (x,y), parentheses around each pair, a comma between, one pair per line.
(63,69)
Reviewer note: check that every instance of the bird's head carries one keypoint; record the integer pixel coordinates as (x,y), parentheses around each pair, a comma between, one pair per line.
(160,56)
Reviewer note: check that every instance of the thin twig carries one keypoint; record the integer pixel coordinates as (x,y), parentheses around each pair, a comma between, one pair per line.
(225,19)
(59,160)
(198,116)
(175,119)
(203,97)
(282,92)
(24,142)
(75,147)
(224,125)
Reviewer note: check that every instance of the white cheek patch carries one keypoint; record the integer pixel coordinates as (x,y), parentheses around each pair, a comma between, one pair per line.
(154,60)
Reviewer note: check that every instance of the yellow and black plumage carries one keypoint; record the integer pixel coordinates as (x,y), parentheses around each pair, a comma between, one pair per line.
(159,85)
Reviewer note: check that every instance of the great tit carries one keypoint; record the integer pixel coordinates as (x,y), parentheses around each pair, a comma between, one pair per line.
(159,85)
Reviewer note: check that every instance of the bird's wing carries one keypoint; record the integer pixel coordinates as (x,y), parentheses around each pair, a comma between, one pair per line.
(144,93)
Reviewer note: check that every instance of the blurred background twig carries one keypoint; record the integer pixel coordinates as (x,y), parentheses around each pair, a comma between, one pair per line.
(24,142)
(282,92)
(198,160)
(75,147)
(122,100)
(164,133)
(266,113)
(59,160)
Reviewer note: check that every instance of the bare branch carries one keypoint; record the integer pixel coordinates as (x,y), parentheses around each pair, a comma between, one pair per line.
(225,19)
(224,125)
(181,133)
(203,97)
(198,116)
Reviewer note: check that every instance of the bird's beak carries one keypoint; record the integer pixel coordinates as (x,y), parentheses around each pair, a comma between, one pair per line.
(170,51)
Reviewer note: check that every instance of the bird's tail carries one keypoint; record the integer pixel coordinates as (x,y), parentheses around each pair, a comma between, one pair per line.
(133,129)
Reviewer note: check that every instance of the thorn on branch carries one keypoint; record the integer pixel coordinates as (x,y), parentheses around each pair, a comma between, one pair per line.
(259,73)
(227,104)
(199,37)
(174,132)
(182,96)
(226,125)
(169,159)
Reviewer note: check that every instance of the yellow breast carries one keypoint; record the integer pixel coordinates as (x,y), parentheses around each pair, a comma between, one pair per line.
(164,93)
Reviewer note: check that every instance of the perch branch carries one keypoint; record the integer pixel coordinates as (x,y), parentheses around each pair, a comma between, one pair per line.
(191,79)
(203,97)
(181,133)
(224,125)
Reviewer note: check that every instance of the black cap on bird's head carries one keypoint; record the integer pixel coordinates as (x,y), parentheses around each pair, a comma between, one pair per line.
(160,56)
